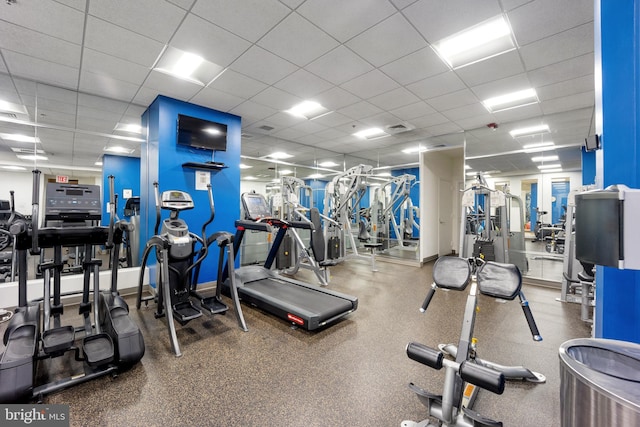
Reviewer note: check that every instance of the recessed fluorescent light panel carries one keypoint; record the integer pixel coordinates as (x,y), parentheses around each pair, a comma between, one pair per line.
(551,170)
(551,166)
(308,110)
(250,178)
(467,167)
(315,176)
(544,159)
(10,107)
(119,150)
(31,157)
(511,100)
(98,163)
(285,172)
(327,164)
(279,155)
(188,66)
(128,127)
(411,150)
(539,149)
(18,137)
(539,144)
(243,166)
(14,168)
(531,130)
(371,133)
(483,41)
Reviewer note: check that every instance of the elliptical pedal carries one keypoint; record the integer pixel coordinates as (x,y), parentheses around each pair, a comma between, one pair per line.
(58,340)
(185,311)
(98,350)
(214,305)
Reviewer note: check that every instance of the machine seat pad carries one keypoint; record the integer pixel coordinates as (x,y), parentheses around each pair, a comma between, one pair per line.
(452,273)
(499,280)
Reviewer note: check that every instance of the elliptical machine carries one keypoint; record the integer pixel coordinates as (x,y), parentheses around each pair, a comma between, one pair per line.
(179,265)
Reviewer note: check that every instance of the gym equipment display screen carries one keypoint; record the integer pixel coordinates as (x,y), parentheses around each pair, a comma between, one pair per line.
(598,228)
(198,133)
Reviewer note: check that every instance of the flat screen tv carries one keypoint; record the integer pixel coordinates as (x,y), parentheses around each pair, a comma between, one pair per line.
(592,143)
(199,133)
(598,224)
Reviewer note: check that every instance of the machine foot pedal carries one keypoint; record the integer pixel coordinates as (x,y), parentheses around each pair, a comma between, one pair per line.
(185,311)
(479,420)
(98,349)
(214,305)
(58,340)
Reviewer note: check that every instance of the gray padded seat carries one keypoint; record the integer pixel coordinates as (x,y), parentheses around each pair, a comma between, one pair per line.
(499,280)
(452,273)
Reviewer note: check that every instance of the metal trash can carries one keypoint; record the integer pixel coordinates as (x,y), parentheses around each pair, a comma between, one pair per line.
(599,383)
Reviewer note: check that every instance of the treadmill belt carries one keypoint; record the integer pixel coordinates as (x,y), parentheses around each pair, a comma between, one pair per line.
(313,302)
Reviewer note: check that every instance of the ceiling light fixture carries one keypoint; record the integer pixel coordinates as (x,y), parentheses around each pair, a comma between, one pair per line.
(285,172)
(411,150)
(128,127)
(544,159)
(315,176)
(279,155)
(187,66)
(511,100)
(467,167)
(31,157)
(98,163)
(483,41)
(244,166)
(551,170)
(371,133)
(19,137)
(10,107)
(250,178)
(327,164)
(539,149)
(551,166)
(119,150)
(531,130)
(14,168)
(309,110)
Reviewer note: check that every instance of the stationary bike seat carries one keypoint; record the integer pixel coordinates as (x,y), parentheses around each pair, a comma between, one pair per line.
(499,280)
(452,273)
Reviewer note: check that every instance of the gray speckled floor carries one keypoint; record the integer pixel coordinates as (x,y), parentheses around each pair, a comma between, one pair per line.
(354,373)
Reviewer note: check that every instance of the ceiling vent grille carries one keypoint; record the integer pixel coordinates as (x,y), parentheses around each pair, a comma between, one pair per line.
(399,128)
(266,127)
(9,115)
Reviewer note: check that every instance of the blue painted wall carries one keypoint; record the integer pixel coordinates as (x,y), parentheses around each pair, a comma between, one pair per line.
(588,167)
(162,159)
(126,171)
(617,63)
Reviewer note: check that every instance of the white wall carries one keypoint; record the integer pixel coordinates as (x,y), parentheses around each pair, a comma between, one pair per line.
(257,186)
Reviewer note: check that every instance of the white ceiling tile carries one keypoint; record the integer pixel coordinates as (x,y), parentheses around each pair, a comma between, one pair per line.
(216,99)
(121,43)
(238,84)
(38,45)
(39,70)
(292,3)
(333,119)
(519,113)
(415,66)
(569,69)
(567,103)
(93,124)
(429,120)
(209,41)
(134,110)
(276,98)
(568,44)
(254,110)
(310,139)
(336,98)
(171,86)
(401,4)
(444,129)
(282,120)
(387,41)
(81,5)
(102,104)
(3,69)
(185,4)
(381,120)
(438,19)
(336,17)
(370,84)
(544,18)
(437,85)
(119,69)
(297,40)
(351,65)
(303,84)
(412,111)
(568,87)
(262,65)
(160,18)
(101,84)
(474,122)
(464,112)
(45,17)
(145,96)
(512,4)
(331,134)
(360,110)
(395,98)
(502,86)
(249,19)
(47,93)
(289,134)
(309,126)
(498,67)
(453,100)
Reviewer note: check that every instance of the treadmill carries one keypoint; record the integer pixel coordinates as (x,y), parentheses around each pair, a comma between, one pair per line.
(302,304)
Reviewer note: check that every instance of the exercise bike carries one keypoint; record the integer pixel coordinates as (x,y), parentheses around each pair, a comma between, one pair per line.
(179,265)
(467,372)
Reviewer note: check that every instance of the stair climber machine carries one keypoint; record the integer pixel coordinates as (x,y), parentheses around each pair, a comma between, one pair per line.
(302,304)
(467,372)
(8,258)
(179,265)
(36,334)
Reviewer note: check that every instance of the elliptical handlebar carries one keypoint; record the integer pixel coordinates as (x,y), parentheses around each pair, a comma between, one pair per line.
(35,196)
(112,211)
(156,191)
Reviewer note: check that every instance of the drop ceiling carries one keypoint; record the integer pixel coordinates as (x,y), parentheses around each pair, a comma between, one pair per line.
(82,66)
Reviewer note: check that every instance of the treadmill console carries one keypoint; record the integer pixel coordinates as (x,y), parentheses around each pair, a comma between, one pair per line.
(72,202)
(176,200)
(255,206)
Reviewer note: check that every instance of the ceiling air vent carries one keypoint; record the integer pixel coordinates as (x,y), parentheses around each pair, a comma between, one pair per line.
(266,127)
(9,115)
(399,128)
(246,135)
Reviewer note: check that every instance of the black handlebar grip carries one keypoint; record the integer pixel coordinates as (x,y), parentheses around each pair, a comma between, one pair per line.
(425,355)
(427,300)
(112,210)
(35,196)
(482,376)
(156,193)
(535,333)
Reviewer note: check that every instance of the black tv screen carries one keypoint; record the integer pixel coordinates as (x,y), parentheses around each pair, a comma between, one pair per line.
(199,133)
(598,228)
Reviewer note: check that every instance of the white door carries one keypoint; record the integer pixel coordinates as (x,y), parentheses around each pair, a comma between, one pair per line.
(445,217)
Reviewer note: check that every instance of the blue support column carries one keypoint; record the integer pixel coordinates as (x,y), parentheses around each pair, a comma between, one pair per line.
(588,167)
(162,159)
(617,71)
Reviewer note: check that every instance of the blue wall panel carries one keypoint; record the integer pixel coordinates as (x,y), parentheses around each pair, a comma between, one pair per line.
(126,171)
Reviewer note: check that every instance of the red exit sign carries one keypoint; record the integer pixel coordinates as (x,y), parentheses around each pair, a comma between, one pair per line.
(62,179)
